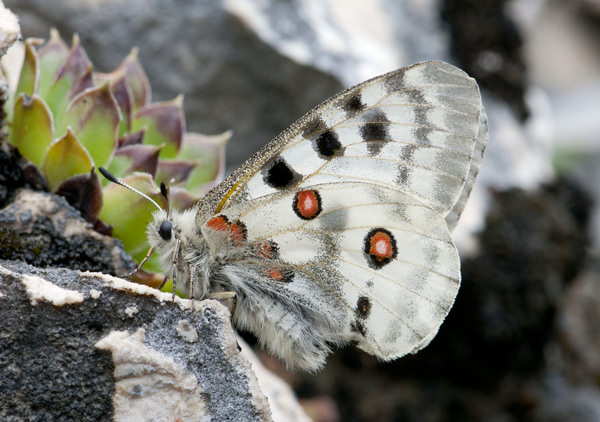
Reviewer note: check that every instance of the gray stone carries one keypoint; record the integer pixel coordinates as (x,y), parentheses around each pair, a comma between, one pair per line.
(42,229)
(89,347)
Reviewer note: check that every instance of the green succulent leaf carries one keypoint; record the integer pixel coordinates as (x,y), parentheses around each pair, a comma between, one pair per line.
(143,158)
(174,171)
(125,100)
(94,118)
(86,81)
(51,56)
(75,66)
(209,153)
(122,94)
(132,138)
(29,77)
(164,123)
(136,80)
(183,199)
(65,158)
(130,213)
(32,128)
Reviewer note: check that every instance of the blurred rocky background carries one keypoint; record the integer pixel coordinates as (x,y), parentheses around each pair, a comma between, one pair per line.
(523,340)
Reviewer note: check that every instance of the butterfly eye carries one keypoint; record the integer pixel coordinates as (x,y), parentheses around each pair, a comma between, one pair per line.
(164,230)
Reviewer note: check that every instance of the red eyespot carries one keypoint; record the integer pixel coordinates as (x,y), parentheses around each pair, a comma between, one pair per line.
(380,247)
(307,204)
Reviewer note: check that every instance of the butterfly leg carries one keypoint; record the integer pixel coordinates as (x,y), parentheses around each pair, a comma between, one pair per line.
(192,296)
(162,284)
(141,264)
(174,262)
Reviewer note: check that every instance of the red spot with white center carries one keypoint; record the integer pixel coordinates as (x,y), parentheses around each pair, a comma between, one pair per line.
(307,204)
(380,246)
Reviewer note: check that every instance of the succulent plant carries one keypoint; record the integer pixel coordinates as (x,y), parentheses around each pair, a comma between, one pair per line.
(69,120)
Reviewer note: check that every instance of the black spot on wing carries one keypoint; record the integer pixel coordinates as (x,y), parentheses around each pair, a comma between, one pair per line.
(279,175)
(375,131)
(416,96)
(395,82)
(363,307)
(404,169)
(420,115)
(354,105)
(328,144)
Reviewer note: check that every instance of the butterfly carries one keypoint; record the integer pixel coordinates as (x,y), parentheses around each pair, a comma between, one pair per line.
(338,230)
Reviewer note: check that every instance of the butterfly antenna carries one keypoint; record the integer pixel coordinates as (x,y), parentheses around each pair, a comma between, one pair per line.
(164,190)
(113,179)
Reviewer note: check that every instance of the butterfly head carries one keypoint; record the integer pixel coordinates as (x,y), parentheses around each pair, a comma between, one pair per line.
(165,227)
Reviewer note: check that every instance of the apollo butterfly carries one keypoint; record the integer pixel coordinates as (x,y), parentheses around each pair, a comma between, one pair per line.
(338,230)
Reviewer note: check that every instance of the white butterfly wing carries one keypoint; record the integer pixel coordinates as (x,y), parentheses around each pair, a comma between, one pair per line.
(390,164)
(413,129)
(390,302)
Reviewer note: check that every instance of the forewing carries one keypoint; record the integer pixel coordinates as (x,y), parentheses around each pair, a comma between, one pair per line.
(413,130)
(378,263)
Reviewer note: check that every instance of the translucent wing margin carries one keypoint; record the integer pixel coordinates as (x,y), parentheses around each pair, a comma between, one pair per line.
(476,159)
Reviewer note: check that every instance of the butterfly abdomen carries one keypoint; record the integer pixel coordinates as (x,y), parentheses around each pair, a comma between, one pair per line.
(288,325)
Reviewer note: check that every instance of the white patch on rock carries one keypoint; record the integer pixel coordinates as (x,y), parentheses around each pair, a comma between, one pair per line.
(187,331)
(131,310)
(95,294)
(141,289)
(150,383)
(40,289)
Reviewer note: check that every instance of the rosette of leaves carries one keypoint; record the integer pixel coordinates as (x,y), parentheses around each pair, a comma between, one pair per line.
(69,120)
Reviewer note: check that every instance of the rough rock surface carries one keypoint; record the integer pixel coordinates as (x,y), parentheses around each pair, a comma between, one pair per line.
(88,347)
(42,229)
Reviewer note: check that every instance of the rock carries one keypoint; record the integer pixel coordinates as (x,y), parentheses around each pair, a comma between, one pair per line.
(578,326)
(42,229)
(88,347)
